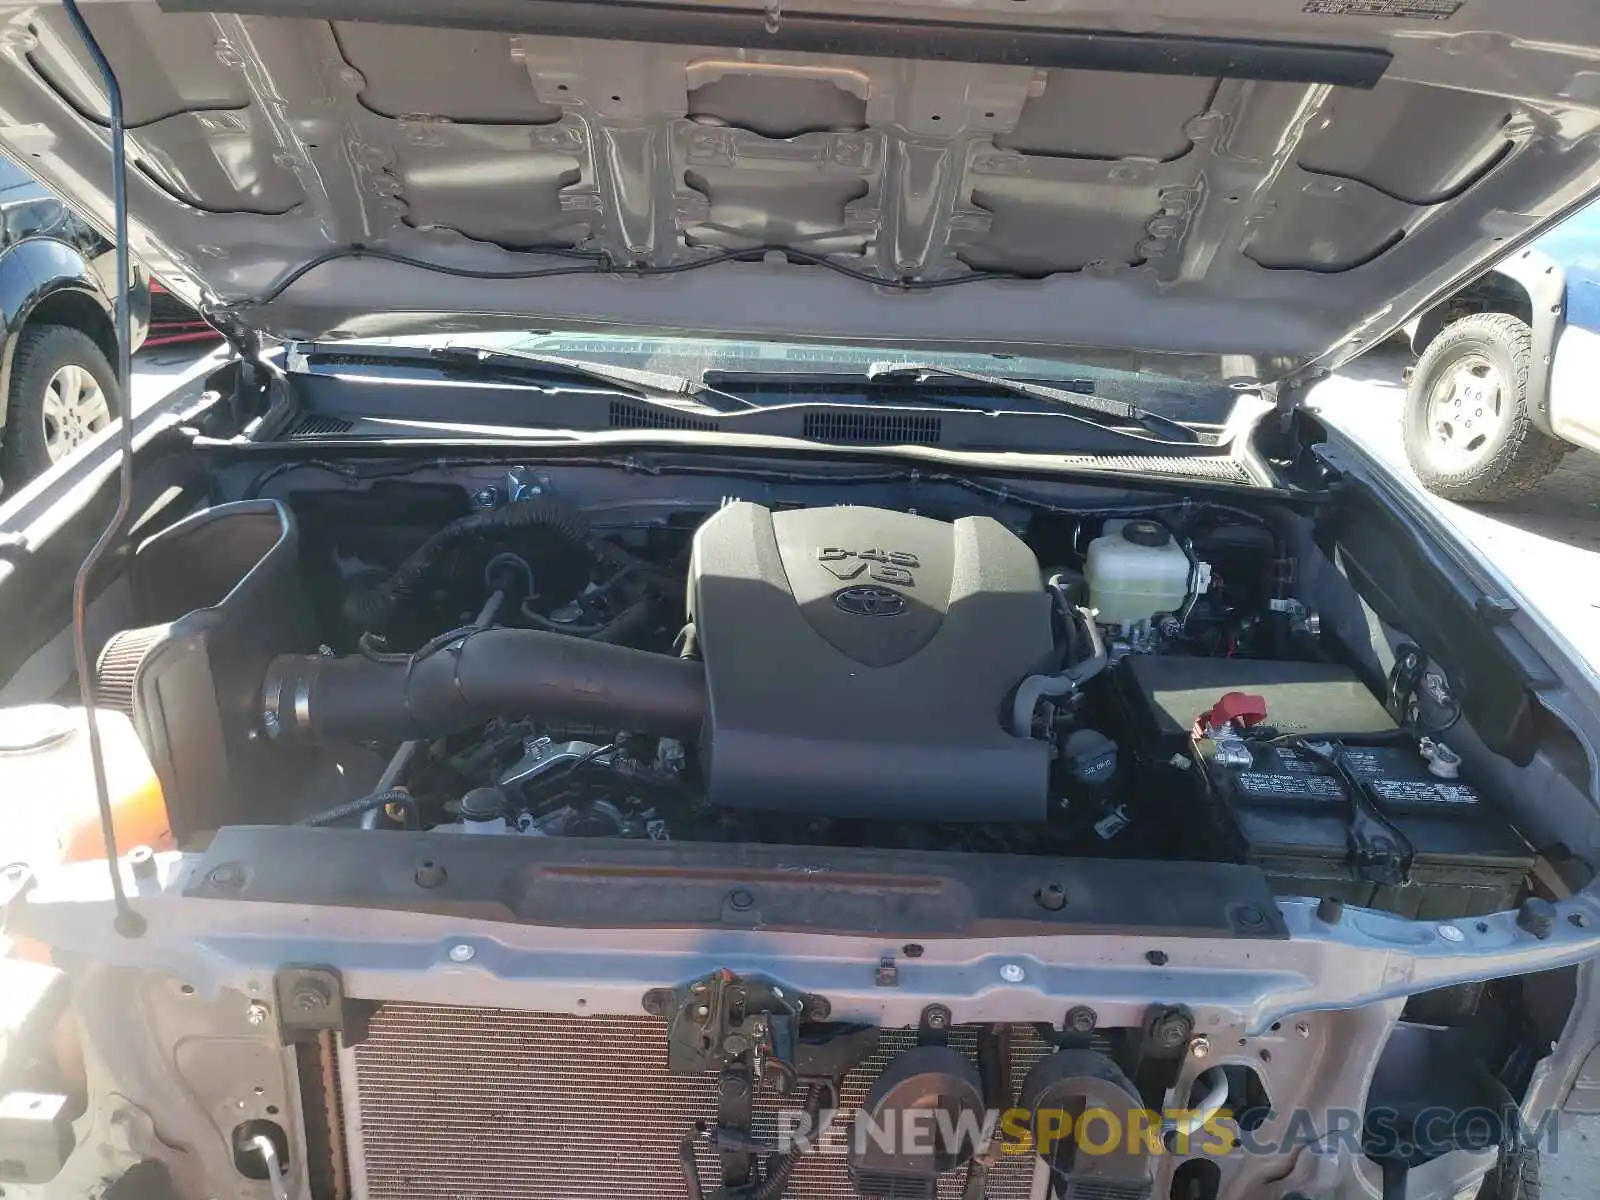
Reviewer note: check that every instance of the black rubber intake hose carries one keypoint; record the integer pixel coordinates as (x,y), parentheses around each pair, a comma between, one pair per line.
(481,675)
(371,610)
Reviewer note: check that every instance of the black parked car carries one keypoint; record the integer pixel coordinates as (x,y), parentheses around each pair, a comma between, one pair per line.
(57,281)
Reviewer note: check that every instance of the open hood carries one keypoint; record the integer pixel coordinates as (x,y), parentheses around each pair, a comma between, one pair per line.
(1227,188)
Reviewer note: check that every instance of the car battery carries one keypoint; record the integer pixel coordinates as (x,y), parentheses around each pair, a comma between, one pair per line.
(1288,812)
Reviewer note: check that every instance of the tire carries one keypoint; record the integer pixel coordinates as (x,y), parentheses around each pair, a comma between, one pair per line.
(1486,448)
(35,434)
(1515,1177)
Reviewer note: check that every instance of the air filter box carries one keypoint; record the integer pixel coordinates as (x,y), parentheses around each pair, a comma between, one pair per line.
(217,595)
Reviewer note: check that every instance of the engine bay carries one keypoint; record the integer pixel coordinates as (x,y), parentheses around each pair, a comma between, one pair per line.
(862,676)
(493,658)
(500,724)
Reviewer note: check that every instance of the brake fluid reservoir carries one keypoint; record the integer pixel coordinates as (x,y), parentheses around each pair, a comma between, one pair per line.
(1135,570)
(48,809)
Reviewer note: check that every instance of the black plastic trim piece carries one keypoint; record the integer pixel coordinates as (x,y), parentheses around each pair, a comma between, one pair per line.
(1412,585)
(625,884)
(598,409)
(876,37)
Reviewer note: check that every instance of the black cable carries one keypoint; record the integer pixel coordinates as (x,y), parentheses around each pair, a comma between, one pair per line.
(1375,737)
(127,922)
(354,808)
(1365,812)
(686,1161)
(779,1167)
(253,492)
(602,264)
(350,473)
(1007,495)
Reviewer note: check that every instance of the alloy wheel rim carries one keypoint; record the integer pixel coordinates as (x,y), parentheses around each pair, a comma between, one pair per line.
(1463,410)
(75,409)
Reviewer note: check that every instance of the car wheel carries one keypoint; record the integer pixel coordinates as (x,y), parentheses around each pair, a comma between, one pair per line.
(63,392)
(1469,433)
(1515,1177)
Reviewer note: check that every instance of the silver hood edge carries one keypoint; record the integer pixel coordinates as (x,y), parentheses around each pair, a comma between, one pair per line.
(1233,189)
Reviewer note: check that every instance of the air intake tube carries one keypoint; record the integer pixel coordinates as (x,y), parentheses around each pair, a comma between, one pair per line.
(483,674)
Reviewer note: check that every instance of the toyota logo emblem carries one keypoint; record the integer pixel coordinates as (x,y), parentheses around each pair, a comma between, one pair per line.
(870,601)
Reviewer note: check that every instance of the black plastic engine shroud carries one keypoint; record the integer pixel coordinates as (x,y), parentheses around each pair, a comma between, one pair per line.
(858,661)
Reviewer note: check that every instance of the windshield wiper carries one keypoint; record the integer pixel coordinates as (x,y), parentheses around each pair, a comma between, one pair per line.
(1081,401)
(632,379)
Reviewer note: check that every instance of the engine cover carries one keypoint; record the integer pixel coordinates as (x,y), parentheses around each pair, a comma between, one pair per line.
(858,661)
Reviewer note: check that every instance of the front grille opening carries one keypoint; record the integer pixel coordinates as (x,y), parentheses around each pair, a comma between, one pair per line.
(873,428)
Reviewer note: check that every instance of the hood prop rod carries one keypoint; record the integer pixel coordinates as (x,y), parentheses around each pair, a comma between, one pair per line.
(128,922)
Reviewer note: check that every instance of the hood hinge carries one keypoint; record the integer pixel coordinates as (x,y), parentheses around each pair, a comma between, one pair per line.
(1289,394)
(246,341)
(1284,433)
(254,377)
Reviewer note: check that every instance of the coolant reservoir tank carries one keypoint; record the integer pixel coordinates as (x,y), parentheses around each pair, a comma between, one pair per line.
(1135,570)
(48,810)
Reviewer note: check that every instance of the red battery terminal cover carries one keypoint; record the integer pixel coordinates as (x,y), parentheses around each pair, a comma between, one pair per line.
(1241,709)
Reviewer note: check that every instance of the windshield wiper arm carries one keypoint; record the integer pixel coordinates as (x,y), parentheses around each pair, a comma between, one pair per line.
(1082,402)
(633,379)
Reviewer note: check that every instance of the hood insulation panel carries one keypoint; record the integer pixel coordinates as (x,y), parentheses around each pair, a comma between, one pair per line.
(1239,184)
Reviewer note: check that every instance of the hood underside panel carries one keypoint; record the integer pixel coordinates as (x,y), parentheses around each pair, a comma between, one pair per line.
(1245,187)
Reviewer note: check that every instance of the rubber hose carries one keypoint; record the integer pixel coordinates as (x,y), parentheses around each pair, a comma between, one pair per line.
(1069,619)
(1036,687)
(483,674)
(627,624)
(620,557)
(366,804)
(370,609)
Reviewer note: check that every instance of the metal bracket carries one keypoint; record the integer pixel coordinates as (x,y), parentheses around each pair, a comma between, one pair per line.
(1161,1047)
(723,1019)
(1404,679)
(934,1027)
(310,1000)
(36,1137)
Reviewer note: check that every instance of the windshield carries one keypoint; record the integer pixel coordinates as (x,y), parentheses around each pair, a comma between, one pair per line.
(693,358)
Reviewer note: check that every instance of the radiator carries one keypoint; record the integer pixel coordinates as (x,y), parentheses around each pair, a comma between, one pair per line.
(493,1104)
